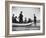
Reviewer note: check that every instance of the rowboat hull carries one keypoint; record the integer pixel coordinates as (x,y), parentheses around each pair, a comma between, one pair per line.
(21,24)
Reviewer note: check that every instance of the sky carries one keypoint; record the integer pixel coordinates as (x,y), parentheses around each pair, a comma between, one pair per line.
(28,12)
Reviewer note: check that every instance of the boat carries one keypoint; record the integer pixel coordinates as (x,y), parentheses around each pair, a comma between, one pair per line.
(22,24)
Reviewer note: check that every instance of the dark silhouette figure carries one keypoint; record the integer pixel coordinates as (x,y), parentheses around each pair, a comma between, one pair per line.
(29,20)
(21,17)
(13,18)
(25,21)
(34,19)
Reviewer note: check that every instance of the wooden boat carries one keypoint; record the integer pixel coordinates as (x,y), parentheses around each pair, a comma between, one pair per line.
(22,24)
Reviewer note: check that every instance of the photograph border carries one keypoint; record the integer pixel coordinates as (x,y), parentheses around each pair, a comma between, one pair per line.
(7,19)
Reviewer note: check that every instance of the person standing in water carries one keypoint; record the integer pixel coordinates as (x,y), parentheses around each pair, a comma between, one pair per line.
(21,17)
(34,19)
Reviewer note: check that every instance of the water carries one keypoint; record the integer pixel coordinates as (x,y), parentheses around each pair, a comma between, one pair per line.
(24,28)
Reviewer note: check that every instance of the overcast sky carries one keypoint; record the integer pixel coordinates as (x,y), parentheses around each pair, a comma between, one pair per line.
(28,12)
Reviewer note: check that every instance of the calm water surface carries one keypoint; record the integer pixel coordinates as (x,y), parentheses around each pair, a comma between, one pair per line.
(30,27)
